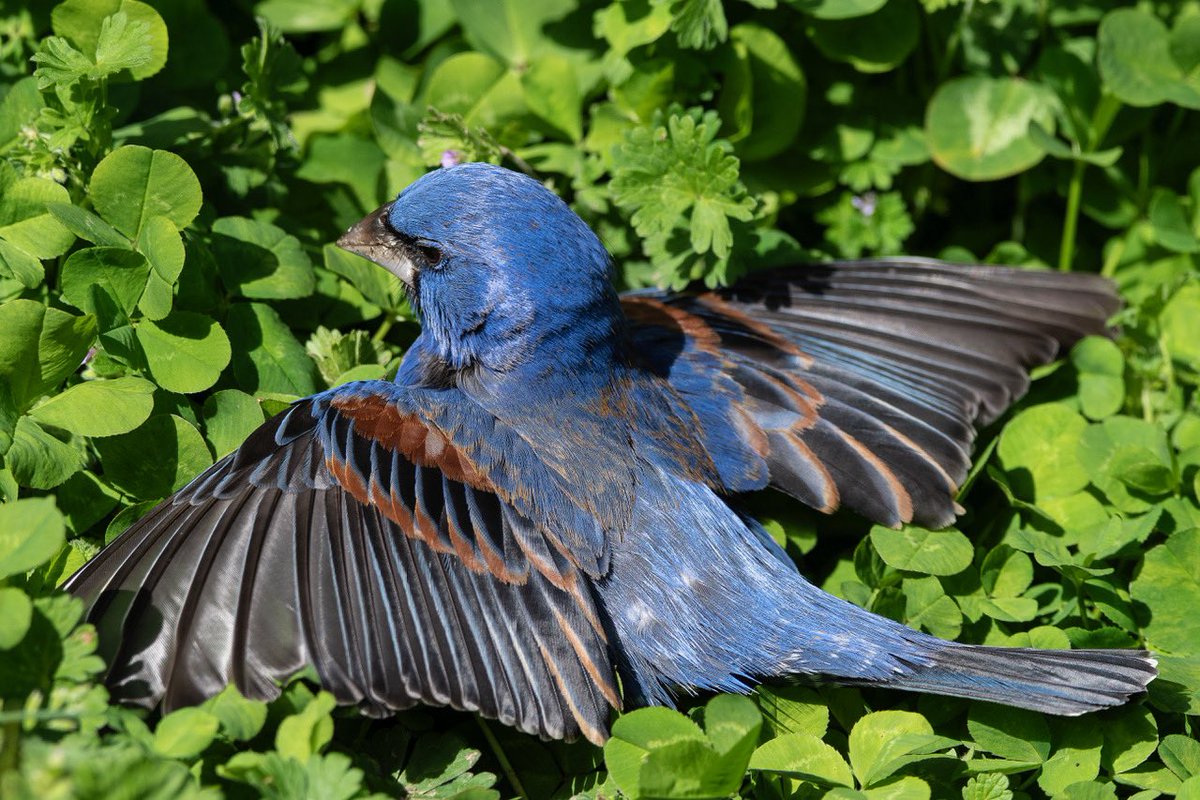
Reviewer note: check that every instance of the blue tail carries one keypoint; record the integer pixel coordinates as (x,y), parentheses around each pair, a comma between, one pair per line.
(1064,682)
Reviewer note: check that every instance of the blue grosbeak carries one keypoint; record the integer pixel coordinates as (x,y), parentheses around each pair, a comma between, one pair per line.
(546,497)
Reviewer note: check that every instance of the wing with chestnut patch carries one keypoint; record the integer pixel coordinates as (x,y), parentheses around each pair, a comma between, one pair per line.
(354,535)
(860,384)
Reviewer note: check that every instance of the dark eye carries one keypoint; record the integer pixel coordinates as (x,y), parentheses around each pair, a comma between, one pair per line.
(431,254)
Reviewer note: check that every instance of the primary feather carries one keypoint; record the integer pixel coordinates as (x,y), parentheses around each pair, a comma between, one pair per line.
(541,501)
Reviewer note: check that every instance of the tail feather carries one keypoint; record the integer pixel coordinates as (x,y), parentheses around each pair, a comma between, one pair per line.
(1062,682)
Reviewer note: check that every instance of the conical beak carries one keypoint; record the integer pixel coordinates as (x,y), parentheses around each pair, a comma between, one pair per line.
(372,238)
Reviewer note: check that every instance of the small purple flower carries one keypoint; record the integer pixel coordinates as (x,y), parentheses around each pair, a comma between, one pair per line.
(91,353)
(451,158)
(237,97)
(865,203)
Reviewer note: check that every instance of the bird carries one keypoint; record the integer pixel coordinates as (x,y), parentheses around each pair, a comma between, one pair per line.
(542,518)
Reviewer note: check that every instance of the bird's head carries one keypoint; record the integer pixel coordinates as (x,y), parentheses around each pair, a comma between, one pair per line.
(500,270)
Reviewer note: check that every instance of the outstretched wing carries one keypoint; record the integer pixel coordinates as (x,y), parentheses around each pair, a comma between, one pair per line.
(859,384)
(368,538)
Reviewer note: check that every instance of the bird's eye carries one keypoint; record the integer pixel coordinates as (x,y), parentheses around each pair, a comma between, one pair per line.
(431,254)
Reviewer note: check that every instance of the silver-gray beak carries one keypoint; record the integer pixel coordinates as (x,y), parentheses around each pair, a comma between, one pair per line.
(372,238)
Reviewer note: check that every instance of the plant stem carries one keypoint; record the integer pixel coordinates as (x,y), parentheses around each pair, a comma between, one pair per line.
(1114,258)
(948,54)
(1066,251)
(1102,120)
(383,329)
(505,765)
(10,740)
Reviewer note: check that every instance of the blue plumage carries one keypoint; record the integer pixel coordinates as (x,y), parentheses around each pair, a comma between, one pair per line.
(545,498)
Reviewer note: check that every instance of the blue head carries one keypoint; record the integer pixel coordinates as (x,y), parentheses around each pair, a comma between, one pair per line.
(504,275)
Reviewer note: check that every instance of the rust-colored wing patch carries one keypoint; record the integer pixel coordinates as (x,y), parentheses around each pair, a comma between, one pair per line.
(410,436)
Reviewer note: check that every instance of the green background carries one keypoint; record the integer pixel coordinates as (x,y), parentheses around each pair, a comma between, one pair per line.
(173,171)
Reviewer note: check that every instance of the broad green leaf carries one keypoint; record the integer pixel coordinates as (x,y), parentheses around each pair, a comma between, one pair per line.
(906,788)
(1169,588)
(185,733)
(1137,65)
(627,26)
(31,532)
(428,769)
(793,709)
(665,755)
(186,352)
(85,500)
(1090,790)
(988,786)
(1130,737)
(160,242)
(229,417)
(240,719)
(1009,733)
(478,88)
(21,321)
(305,733)
(301,16)
(126,517)
(1006,572)
(1178,321)
(16,614)
(39,459)
(877,42)
(1039,450)
(636,734)
(515,32)
(96,275)
(87,225)
(1076,757)
(22,267)
(804,757)
(63,343)
(837,9)
(732,724)
(683,770)
(779,92)
(18,108)
(1128,456)
(82,22)
(27,223)
(1171,225)
(917,549)
(31,664)
(1151,778)
(1181,754)
(878,739)
(156,459)
(99,408)
(267,357)
(260,260)
(352,160)
(927,606)
(1010,609)
(552,93)
(134,183)
(978,127)
(1101,368)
